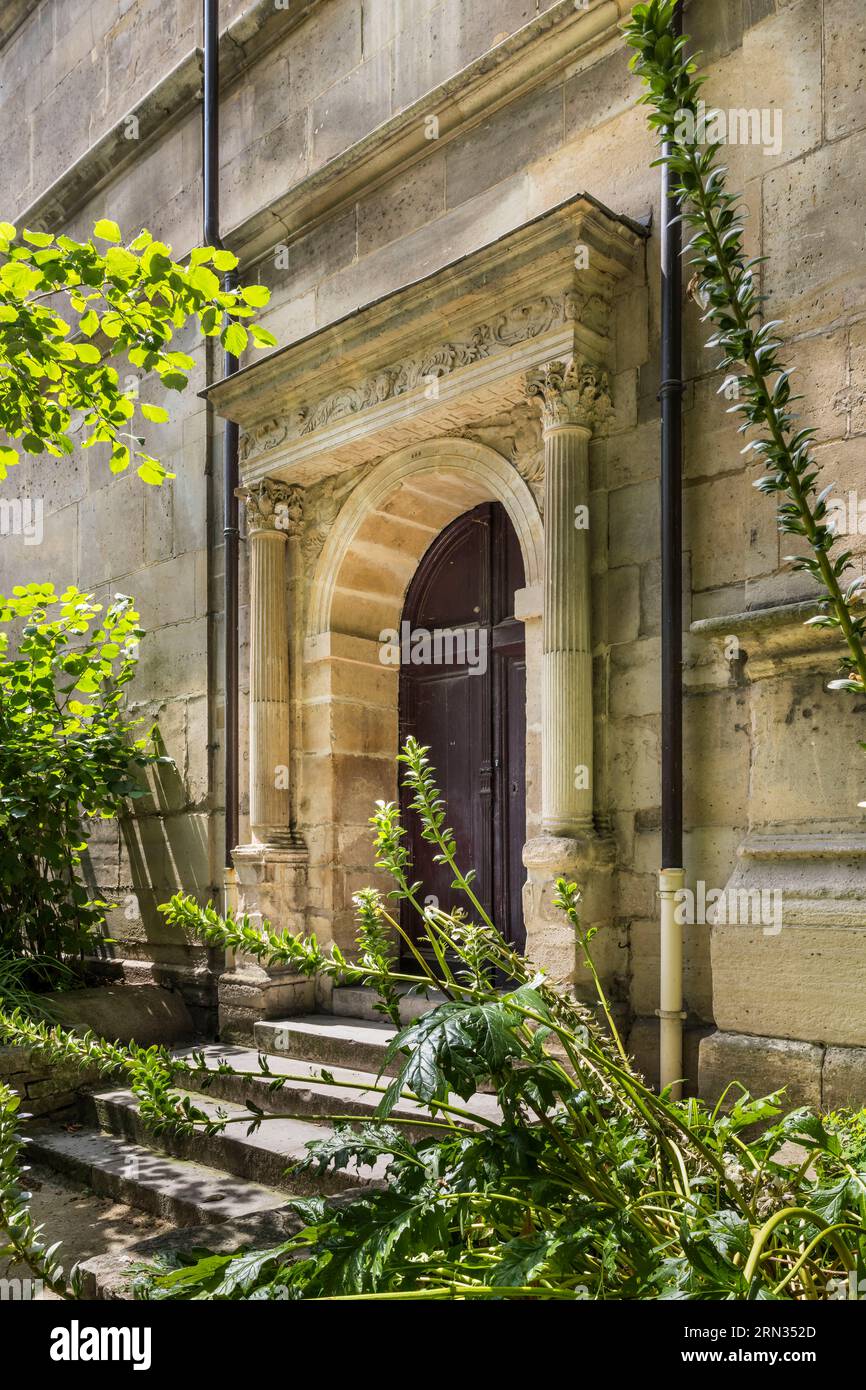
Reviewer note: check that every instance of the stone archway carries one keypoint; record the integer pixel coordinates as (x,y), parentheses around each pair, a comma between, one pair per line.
(349,696)
(389,521)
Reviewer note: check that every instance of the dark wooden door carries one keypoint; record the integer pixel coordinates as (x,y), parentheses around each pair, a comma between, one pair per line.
(471,712)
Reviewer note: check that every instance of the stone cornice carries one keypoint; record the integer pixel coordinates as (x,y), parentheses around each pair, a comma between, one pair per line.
(774,640)
(510,307)
(171,98)
(804,845)
(562,37)
(13,15)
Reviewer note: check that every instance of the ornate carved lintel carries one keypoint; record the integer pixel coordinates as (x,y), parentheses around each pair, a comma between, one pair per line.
(517,324)
(273,506)
(571,393)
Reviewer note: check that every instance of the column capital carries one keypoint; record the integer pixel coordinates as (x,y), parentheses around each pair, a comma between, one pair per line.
(575,393)
(273,506)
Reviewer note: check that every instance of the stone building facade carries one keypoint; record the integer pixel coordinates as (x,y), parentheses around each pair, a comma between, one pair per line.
(453,206)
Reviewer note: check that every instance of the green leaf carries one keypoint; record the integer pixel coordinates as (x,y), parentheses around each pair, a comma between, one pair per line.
(154,412)
(107,230)
(152,472)
(86,352)
(261,337)
(174,381)
(8,459)
(256,295)
(224,260)
(21,279)
(204,280)
(37,238)
(234,339)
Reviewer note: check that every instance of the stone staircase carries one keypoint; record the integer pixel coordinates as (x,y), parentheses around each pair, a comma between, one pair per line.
(233,1184)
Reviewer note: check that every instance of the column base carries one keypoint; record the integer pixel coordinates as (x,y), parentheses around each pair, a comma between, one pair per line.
(587,860)
(251,993)
(271,886)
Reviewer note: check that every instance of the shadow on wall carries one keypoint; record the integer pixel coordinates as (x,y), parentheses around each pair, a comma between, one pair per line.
(140,860)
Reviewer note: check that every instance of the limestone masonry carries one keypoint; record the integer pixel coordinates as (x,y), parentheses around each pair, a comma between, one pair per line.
(453,206)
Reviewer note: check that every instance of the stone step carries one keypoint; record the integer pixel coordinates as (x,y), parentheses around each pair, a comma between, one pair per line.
(359,1002)
(110,1276)
(183,1192)
(331,1041)
(303,1094)
(263,1156)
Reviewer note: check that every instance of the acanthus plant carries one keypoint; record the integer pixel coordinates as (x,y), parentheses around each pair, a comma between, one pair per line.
(750,346)
(579,1183)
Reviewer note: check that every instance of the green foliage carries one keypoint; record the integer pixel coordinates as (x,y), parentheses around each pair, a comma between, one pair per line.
(65,755)
(584,1185)
(67,308)
(750,347)
(22,977)
(850,1126)
(21,1237)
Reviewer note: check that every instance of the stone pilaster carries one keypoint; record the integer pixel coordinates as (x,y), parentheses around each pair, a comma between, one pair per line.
(270,874)
(574,400)
(273,514)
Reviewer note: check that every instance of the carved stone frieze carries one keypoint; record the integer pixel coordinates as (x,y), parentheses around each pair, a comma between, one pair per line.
(519,323)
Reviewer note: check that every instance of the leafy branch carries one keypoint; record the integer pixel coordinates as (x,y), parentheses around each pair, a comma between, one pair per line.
(57,380)
(20,1236)
(726,287)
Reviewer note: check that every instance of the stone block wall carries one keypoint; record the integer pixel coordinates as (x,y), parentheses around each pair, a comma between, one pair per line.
(339,186)
(44,1089)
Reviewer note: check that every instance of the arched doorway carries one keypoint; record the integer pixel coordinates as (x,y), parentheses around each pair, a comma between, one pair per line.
(463,692)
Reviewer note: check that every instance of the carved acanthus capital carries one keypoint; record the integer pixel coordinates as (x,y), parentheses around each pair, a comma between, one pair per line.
(273,506)
(571,393)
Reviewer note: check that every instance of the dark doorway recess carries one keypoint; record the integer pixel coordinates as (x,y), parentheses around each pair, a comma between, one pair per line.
(472,713)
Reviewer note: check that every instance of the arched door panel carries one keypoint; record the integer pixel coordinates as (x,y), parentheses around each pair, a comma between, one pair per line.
(471,712)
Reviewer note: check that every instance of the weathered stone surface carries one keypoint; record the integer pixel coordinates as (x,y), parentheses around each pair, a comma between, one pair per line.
(843,1079)
(844,67)
(143,1014)
(762,1065)
(800,241)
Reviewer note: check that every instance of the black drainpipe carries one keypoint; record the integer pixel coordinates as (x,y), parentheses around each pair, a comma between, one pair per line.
(210,182)
(671,874)
(671,397)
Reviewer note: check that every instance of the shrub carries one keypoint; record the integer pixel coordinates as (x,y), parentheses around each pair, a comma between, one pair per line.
(65,756)
(588,1186)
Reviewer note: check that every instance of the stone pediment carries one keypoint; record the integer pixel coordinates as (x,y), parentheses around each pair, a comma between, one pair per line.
(432,356)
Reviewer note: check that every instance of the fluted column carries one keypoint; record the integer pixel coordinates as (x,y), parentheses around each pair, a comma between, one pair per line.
(273,514)
(574,399)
